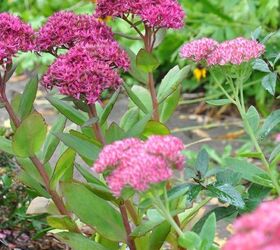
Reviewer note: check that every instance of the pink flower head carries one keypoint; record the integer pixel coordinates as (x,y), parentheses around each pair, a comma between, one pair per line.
(15,36)
(155,13)
(259,230)
(236,51)
(139,164)
(198,50)
(87,70)
(65,29)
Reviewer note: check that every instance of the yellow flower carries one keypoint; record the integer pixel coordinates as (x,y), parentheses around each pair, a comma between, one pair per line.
(105,19)
(199,73)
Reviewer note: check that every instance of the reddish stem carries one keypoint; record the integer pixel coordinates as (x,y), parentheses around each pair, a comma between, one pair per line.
(149,41)
(129,240)
(96,126)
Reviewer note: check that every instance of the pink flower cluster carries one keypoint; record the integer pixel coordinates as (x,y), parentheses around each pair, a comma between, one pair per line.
(259,230)
(87,70)
(135,163)
(66,29)
(15,36)
(198,50)
(155,13)
(234,51)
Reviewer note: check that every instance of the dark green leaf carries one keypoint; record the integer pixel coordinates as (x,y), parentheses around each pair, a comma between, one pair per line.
(253,118)
(88,175)
(90,122)
(228,176)
(61,222)
(270,123)
(202,161)
(79,242)
(32,183)
(94,211)
(30,136)
(207,233)
(64,165)
(67,110)
(135,99)
(133,70)
(261,65)
(146,62)
(269,82)
(114,133)
(228,194)
(275,153)
(190,240)
(220,102)
(171,81)
(249,171)
(158,236)
(155,128)
(6,145)
(82,146)
(220,213)
(107,110)
(28,97)
(169,105)
(139,127)
(130,118)
(52,142)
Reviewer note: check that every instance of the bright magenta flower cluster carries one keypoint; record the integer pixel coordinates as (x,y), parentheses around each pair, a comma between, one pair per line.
(89,67)
(234,51)
(66,29)
(15,36)
(138,164)
(87,70)
(155,13)
(259,230)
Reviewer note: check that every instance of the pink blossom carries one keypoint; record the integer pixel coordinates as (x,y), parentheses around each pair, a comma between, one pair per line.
(277,137)
(259,230)
(198,50)
(138,164)
(15,36)
(155,13)
(236,51)
(65,29)
(87,70)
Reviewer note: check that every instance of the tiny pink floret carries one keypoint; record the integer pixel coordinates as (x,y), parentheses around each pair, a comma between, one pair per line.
(138,164)
(259,230)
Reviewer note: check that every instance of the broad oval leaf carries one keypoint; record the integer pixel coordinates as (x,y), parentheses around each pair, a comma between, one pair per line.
(146,61)
(94,211)
(30,136)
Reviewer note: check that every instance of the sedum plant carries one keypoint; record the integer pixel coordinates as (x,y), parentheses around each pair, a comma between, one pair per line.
(138,190)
